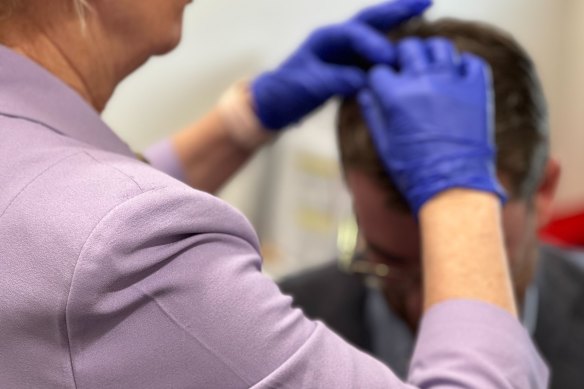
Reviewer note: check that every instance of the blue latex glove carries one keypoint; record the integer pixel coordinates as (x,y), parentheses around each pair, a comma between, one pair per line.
(327,64)
(432,121)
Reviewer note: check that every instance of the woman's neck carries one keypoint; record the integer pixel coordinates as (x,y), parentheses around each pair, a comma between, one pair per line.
(72,56)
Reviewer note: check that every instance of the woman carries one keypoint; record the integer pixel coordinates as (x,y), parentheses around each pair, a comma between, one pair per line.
(116,275)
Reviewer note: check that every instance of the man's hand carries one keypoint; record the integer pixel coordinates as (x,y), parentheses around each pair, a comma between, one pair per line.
(432,120)
(329,63)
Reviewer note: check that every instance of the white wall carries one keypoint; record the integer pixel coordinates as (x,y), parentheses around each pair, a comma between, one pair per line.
(225,40)
(569,106)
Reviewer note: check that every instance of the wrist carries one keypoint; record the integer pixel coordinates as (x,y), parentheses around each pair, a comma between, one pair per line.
(240,120)
(464,252)
(462,202)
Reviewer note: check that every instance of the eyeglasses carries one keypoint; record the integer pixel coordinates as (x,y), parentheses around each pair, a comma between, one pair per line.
(353,261)
(350,260)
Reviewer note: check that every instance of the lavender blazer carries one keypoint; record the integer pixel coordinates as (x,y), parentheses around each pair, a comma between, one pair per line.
(115,275)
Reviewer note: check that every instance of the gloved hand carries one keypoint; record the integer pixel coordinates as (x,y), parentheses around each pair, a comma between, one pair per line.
(432,121)
(326,64)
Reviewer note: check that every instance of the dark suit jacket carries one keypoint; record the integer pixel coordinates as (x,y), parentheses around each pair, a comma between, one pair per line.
(329,294)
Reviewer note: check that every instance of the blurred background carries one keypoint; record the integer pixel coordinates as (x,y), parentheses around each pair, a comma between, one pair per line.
(293,191)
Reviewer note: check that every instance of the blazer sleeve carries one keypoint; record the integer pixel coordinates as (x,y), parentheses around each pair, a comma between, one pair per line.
(168,292)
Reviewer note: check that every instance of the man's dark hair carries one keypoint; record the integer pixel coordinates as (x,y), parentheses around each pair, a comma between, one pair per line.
(521,123)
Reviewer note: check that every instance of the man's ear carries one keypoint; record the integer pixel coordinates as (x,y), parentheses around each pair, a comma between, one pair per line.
(546,192)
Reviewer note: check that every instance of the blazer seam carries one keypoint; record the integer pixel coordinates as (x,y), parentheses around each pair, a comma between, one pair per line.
(178,323)
(111,166)
(293,355)
(89,236)
(34,180)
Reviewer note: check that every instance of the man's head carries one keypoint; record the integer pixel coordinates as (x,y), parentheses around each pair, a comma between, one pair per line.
(523,166)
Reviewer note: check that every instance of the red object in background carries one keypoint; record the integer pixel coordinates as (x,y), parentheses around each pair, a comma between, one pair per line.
(567,229)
